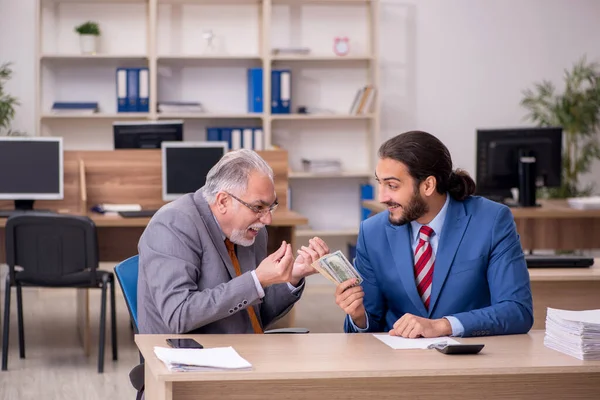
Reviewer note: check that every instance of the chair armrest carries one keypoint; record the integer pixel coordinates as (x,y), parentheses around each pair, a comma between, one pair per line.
(287,330)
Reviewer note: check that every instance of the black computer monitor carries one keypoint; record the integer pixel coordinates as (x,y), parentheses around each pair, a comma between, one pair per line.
(524,158)
(31,168)
(146,134)
(186,164)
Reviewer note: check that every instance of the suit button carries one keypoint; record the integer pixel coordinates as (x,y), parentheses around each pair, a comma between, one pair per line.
(245,302)
(231,311)
(240,305)
(235,308)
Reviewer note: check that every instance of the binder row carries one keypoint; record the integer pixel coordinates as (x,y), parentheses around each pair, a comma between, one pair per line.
(281,91)
(133,90)
(238,138)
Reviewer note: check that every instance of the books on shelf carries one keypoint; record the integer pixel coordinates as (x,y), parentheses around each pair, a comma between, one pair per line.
(238,138)
(294,51)
(576,333)
(74,107)
(322,166)
(363,101)
(281,91)
(179,107)
(133,90)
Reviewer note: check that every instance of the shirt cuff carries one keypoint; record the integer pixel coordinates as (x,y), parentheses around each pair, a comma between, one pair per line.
(296,289)
(259,288)
(356,328)
(457,327)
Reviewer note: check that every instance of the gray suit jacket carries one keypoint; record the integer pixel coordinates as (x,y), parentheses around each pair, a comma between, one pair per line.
(187,283)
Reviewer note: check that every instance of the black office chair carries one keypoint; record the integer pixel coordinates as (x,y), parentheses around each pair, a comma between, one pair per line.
(54,250)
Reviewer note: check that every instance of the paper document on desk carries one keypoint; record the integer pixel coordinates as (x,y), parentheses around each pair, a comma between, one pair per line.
(576,333)
(400,343)
(218,358)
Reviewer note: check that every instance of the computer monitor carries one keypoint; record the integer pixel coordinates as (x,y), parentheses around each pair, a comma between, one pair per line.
(31,168)
(186,164)
(524,158)
(146,134)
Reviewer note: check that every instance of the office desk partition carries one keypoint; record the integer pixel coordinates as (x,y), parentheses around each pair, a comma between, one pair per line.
(553,225)
(359,366)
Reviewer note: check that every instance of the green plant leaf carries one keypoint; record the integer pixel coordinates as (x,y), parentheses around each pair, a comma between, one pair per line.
(577,111)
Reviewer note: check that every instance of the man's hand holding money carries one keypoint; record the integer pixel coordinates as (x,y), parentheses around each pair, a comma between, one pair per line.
(349,296)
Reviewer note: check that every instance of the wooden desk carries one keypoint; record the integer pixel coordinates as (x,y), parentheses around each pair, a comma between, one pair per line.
(565,288)
(359,366)
(553,226)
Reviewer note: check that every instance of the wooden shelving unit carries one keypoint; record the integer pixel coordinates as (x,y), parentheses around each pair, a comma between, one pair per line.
(166,37)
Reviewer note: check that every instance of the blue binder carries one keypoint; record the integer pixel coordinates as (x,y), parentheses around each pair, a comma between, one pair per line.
(281,91)
(213,134)
(255,90)
(275,91)
(133,88)
(226,136)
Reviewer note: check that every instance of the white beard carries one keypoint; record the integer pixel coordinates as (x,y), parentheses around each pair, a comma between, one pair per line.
(238,236)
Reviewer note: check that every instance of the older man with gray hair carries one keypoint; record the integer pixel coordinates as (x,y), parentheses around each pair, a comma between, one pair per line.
(204,266)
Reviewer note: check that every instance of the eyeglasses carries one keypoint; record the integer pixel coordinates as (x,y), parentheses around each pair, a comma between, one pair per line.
(261,211)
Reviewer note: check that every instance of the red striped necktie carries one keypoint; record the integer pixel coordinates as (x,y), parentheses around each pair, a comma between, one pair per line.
(424,260)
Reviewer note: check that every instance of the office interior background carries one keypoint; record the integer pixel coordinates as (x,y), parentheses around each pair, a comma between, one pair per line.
(448,67)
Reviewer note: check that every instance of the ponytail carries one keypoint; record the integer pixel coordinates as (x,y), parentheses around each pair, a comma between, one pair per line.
(460,185)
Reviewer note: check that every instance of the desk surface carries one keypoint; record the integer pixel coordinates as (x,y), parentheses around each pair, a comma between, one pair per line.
(549,209)
(338,355)
(566,274)
(281,217)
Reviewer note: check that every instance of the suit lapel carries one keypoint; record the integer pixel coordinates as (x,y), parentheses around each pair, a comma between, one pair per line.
(215,233)
(454,228)
(399,241)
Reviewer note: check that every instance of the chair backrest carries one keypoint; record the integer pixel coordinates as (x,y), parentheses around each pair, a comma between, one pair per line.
(127,275)
(50,246)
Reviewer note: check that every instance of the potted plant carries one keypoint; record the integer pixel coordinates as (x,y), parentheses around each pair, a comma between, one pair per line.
(577,111)
(7,103)
(88,37)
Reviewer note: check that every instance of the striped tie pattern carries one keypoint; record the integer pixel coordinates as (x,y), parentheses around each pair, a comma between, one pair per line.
(424,260)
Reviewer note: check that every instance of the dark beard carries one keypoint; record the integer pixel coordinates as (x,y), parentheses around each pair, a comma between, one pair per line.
(416,209)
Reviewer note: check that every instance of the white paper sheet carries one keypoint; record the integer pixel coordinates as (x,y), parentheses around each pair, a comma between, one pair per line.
(400,343)
(201,359)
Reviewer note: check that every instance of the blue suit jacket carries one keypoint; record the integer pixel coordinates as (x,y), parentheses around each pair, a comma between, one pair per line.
(480,275)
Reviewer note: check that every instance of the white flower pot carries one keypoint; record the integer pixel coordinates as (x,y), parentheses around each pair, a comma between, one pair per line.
(88,44)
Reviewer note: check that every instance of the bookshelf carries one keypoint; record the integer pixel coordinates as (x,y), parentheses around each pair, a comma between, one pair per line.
(166,36)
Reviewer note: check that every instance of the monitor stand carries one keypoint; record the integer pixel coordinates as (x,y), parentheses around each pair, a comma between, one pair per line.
(527,178)
(22,207)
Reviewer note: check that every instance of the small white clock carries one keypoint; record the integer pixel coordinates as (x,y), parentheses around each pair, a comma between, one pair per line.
(341,47)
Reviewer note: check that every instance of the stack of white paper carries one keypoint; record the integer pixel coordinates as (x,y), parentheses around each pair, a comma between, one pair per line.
(217,358)
(576,333)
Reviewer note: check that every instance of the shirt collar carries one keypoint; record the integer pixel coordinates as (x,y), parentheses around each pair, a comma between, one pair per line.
(220,230)
(436,224)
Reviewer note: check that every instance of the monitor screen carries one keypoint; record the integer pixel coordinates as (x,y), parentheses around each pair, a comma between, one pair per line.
(145,134)
(186,164)
(31,168)
(498,154)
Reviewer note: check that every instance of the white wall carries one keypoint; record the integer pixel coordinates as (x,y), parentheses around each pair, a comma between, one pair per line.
(474,57)
(17,45)
(462,65)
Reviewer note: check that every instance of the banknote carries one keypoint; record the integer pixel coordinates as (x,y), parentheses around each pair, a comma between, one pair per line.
(336,268)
